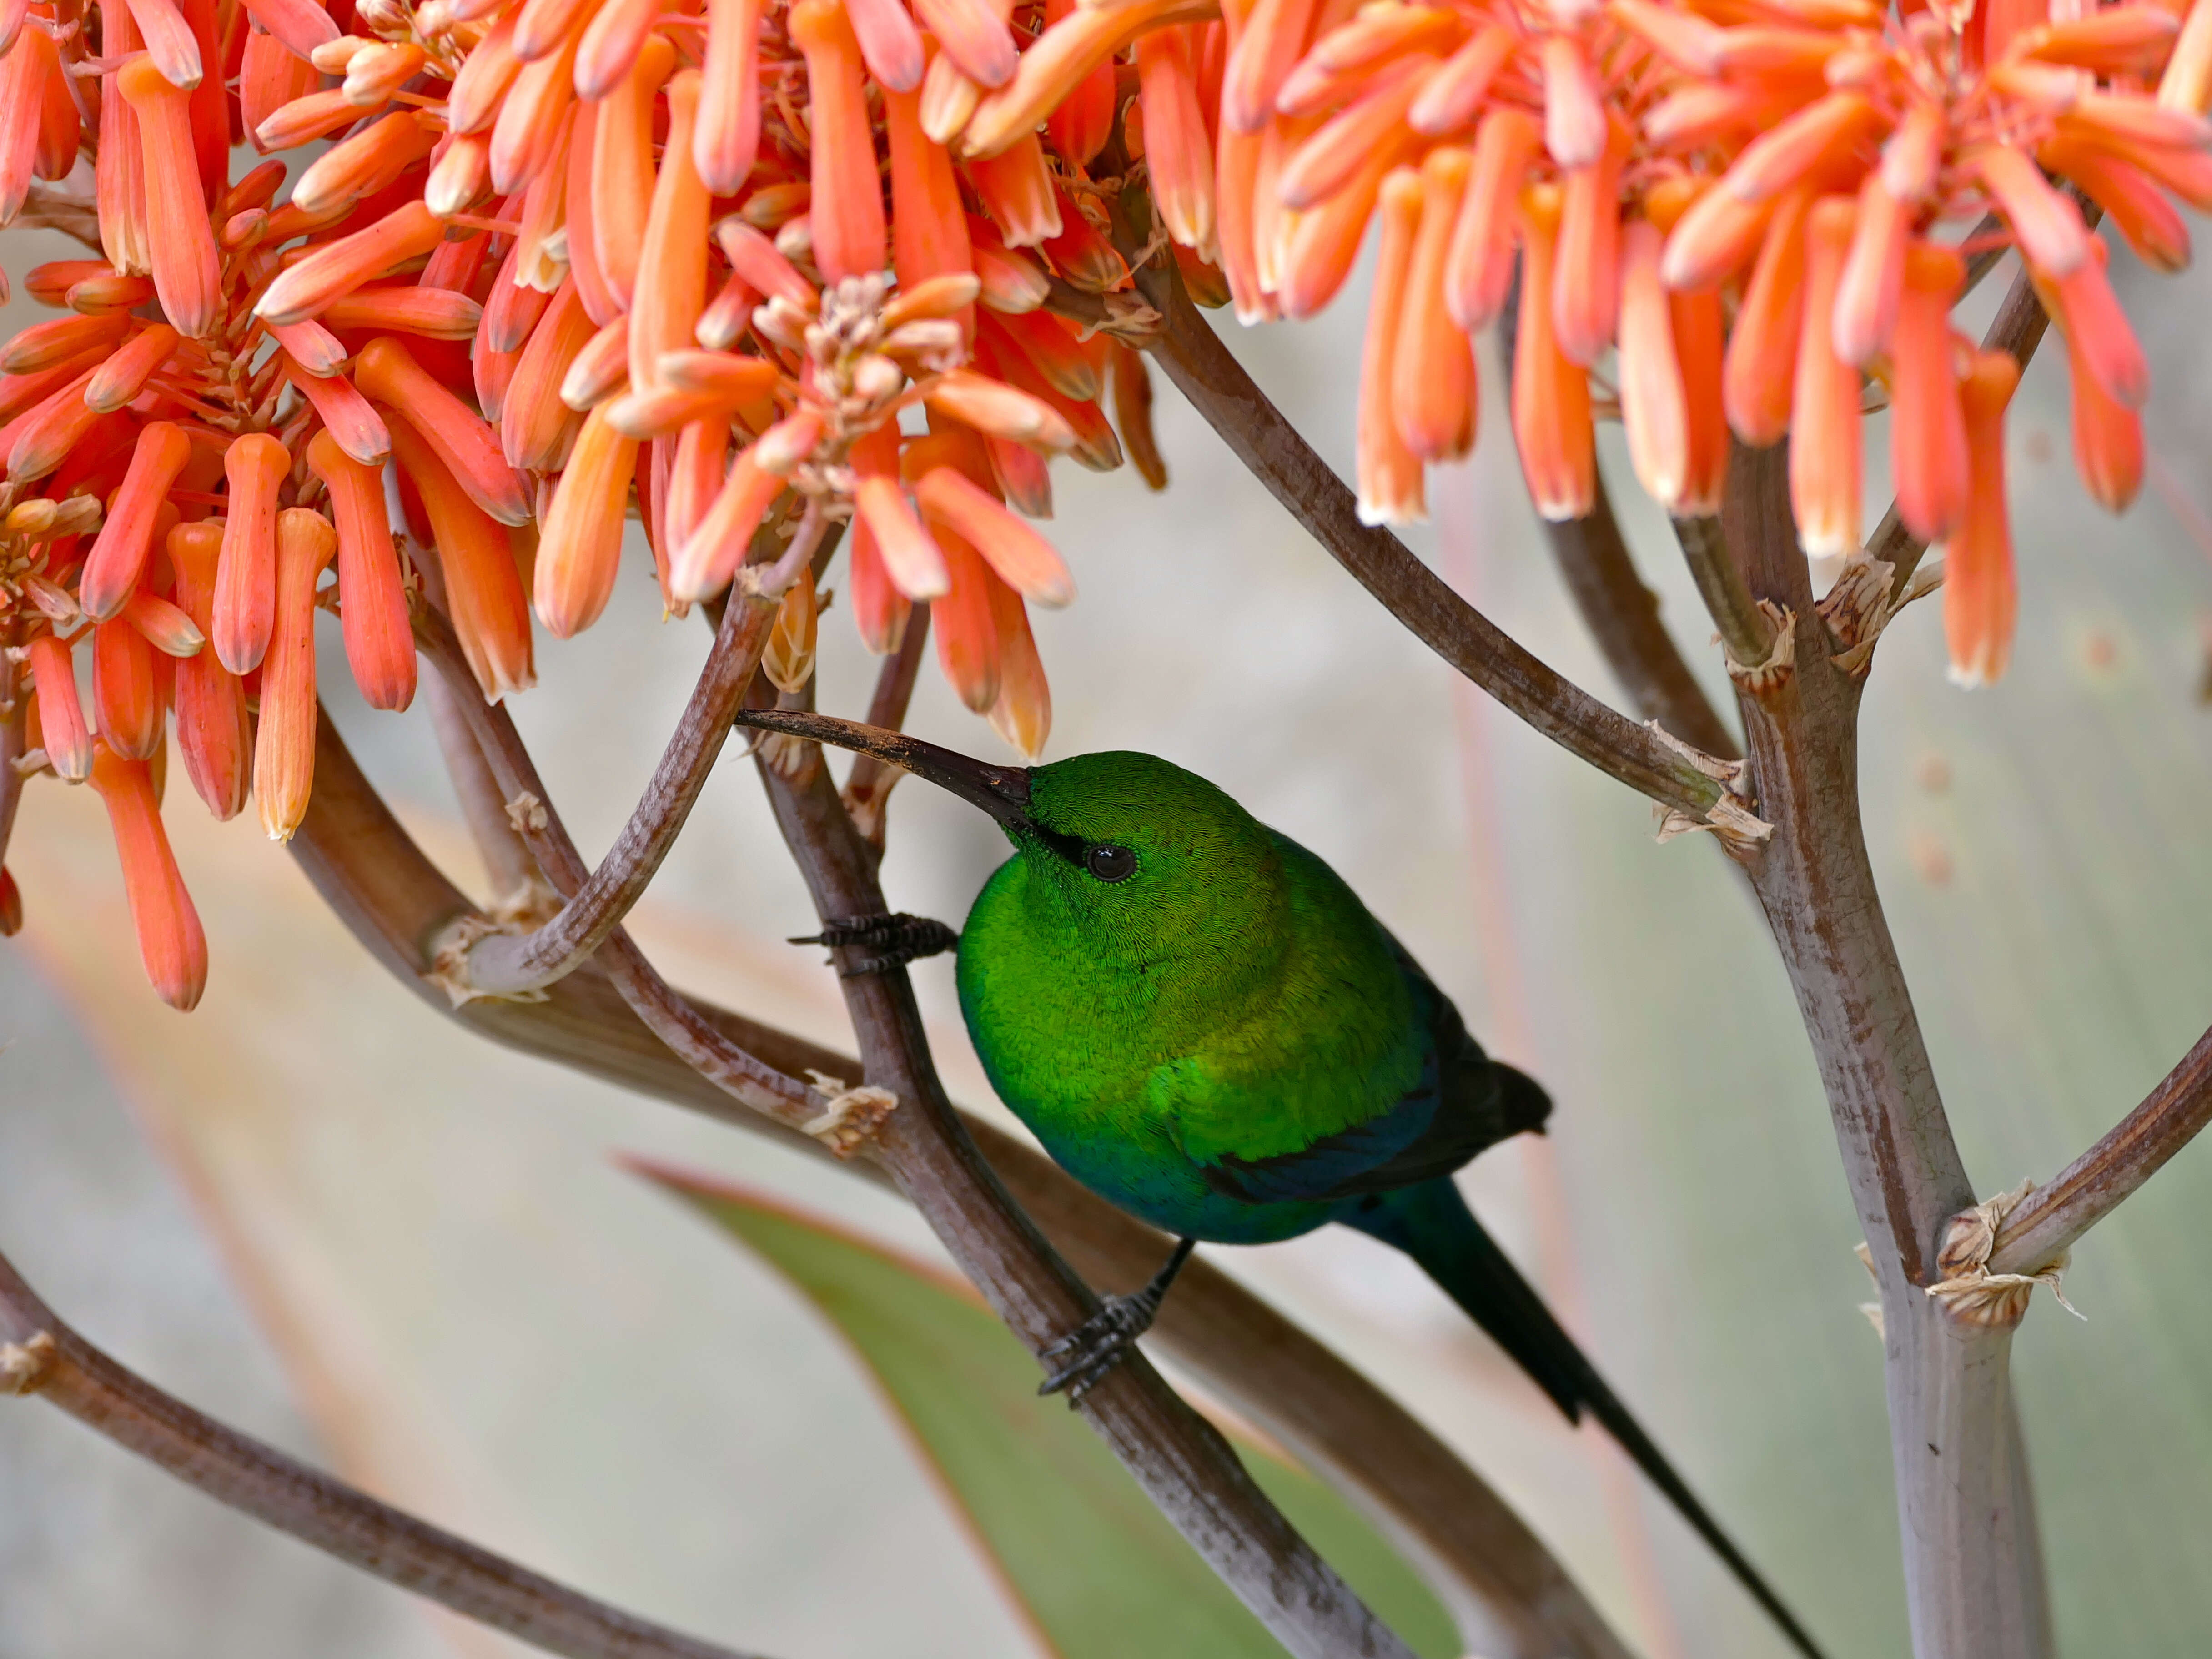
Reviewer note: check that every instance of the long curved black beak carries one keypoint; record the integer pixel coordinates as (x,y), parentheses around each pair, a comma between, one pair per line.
(1001,791)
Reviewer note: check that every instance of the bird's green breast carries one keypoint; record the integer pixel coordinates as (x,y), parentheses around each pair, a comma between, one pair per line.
(1280,1018)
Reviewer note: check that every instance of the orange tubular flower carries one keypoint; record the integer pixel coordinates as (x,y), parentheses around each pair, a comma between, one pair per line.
(1024,560)
(61,716)
(535,428)
(727,135)
(580,549)
(170,941)
(1432,388)
(1760,365)
(961,620)
(118,555)
(213,735)
(118,381)
(1550,395)
(187,270)
(1824,449)
(335,268)
(128,706)
(1022,714)
(1388,472)
(1654,400)
(372,602)
(671,268)
(1928,435)
(621,173)
(284,742)
(1176,149)
(847,211)
(386,371)
(484,593)
(1979,598)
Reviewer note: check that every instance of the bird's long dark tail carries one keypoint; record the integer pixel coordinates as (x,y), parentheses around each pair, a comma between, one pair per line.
(1432,1224)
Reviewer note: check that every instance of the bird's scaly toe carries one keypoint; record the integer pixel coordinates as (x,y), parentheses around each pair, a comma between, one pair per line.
(1096,1346)
(893,941)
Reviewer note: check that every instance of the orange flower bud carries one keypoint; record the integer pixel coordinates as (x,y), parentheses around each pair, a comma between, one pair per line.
(117,381)
(387,372)
(213,735)
(1825,436)
(243,611)
(1388,473)
(1586,277)
(1927,433)
(1022,714)
(1654,400)
(63,341)
(535,428)
(360,166)
(311,347)
(1081,123)
(484,592)
(1782,155)
(1049,346)
(611,44)
(358,429)
(708,558)
(300,26)
(726,136)
(170,48)
(61,716)
(1980,599)
(186,268)
(880,611)
(1268,48)
(434,312)
(975,36)
(1762,349)
(1432,395)
(991,406)
(696,473)
(270,78)
(847,207)
(1015,189)
(1319,246)
(579,550)
(757,262)
(961,619)
(914,560)
(25,74)
(1550,395)
(167,628)
(379,641)
(117,558)
(543,26)
(481,88)
(128,704)
(671,269)
(1335,155)
(1177,148)
(2097,327)
(284,744)
(170,941)
(622,170)
(891,44)
(601,369)
(1700,332)
(1024,560)
(338,268)
(1480,268)
(526,133)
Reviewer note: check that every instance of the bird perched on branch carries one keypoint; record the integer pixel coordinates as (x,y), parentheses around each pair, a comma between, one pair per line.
(1202,1023)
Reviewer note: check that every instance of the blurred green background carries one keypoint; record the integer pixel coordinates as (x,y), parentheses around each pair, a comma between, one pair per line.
(316,1210)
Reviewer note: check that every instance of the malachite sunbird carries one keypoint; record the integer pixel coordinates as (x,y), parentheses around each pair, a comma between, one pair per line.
(1203,1024)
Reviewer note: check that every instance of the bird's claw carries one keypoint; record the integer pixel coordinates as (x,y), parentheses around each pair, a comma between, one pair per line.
(1097,1344)
(893,941)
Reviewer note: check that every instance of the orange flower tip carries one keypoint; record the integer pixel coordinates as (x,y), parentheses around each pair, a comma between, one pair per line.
(762,265)
(302,25)
(166,627)
(890,43)
(172,51)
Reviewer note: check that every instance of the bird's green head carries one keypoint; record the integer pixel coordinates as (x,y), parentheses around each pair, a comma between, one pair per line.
(1145,858)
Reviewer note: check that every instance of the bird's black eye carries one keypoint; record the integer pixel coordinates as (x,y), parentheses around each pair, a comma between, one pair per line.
(1110,863)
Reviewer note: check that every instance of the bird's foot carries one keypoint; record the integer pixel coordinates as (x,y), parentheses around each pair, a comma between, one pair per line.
(892,941)
(1097,1344)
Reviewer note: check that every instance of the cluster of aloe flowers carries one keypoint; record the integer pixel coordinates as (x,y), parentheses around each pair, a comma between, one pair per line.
(742,269)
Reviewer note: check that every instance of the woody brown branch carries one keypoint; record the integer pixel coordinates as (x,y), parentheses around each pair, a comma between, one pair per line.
(54,1363)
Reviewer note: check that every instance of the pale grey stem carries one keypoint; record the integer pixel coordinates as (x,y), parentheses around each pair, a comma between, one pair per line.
(42,1356)
(1972,1561)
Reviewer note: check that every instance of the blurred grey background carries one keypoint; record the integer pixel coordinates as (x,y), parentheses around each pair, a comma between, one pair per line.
(319,1211)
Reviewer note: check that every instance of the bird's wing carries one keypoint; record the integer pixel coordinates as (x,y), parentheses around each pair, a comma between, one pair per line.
(1462,1103)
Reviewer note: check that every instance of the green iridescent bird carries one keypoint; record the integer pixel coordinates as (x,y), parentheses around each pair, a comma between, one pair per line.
(1202,1023)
